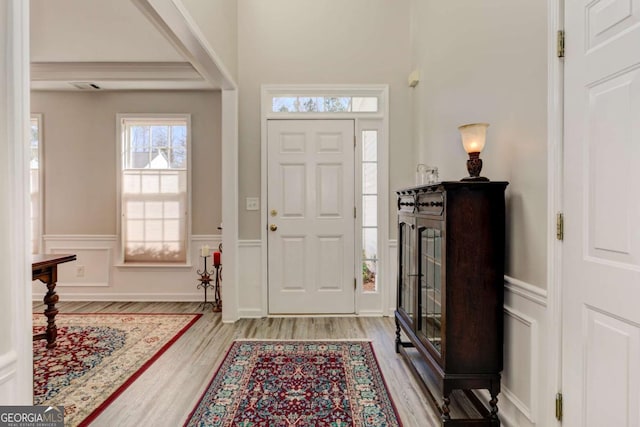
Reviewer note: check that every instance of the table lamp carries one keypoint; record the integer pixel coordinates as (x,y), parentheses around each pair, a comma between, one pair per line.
(473,139)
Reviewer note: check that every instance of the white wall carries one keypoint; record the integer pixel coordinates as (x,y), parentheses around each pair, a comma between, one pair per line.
(79,141)
(487,62)
(95,30)
(323,42)
(79,131)
(218,21)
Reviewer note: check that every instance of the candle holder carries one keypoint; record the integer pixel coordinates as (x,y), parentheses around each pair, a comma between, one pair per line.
(205,283)
(217,303)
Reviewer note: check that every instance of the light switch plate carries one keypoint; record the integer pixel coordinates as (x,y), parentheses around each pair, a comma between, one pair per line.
(253,203)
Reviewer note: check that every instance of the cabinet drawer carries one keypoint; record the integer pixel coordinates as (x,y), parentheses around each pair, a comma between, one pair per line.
(430,204)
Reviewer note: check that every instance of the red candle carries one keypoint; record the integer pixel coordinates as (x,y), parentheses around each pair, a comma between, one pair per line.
(216,258)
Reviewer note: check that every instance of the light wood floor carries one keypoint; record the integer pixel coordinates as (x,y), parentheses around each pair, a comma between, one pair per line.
(167,392)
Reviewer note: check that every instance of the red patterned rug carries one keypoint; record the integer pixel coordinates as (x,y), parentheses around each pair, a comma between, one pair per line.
(297,384)
(97,357)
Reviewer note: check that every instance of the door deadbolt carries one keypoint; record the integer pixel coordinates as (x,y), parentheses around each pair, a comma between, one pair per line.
(274,212)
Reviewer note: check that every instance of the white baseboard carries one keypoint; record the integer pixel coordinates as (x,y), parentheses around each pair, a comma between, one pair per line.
(248,313)
(370,313)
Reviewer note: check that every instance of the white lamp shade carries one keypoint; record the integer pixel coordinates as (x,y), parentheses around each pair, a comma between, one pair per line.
(474,136)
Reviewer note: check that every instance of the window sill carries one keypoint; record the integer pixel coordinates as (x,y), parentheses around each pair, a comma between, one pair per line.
(152,266)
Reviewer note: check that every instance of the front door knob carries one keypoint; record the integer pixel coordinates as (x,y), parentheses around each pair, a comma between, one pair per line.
(273,227)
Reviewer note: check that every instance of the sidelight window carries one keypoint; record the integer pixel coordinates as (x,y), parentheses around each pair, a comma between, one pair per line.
(369,210)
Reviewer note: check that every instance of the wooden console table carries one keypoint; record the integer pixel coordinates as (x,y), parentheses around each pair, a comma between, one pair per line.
(44,267)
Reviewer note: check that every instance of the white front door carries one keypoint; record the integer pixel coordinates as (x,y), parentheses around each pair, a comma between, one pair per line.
(601,254)
(310,212)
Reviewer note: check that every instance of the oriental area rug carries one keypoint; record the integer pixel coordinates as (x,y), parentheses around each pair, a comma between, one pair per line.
(297,384)
(97,357)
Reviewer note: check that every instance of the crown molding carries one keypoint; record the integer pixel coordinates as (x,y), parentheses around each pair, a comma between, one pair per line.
(113,71)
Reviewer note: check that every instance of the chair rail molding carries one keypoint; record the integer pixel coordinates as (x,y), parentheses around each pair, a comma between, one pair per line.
(532,293)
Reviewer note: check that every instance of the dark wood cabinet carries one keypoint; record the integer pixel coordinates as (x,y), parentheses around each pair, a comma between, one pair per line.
(450,295)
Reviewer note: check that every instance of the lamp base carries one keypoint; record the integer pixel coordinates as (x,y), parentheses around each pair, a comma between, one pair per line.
(474,166)
(475,178)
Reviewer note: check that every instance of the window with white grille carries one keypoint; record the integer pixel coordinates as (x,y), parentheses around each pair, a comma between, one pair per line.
(154,188)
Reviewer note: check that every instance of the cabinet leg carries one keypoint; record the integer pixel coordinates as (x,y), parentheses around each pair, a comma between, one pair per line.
(493,403)
(445,408)
(398,342)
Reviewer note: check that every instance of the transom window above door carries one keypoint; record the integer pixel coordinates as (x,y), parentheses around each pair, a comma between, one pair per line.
(324,104)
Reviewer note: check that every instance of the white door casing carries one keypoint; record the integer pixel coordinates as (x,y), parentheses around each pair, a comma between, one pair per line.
(311,201)
(601,254)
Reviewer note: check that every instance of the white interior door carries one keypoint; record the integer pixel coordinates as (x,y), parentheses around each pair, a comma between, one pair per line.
(601,255)
(310,215)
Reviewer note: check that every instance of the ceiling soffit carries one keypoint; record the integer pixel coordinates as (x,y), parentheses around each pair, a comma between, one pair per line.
(116,75)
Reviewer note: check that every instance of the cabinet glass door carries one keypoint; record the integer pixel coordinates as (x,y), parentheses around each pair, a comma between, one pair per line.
(406,287)
(430,305)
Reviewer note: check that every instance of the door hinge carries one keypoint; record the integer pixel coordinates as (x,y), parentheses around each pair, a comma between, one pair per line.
(354,212)
(559,406)
(355,284)
(354,142)
(560,226)
(560,45)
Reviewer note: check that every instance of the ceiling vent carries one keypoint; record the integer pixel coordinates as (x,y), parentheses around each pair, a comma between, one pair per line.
(85,85)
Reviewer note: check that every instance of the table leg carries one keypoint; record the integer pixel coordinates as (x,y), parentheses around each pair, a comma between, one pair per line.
(50,299)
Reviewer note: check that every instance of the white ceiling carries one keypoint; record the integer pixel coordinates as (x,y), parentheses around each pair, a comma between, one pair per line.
(106,42)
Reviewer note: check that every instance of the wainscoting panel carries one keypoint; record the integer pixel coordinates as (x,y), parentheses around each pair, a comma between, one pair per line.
(521,373)
(522,402)
(251,298)
(95,275)
(91,268)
